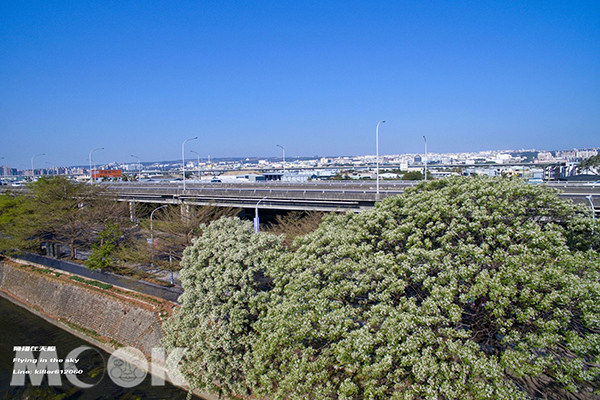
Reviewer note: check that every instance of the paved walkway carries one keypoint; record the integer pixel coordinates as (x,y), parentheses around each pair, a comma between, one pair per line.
(167,293)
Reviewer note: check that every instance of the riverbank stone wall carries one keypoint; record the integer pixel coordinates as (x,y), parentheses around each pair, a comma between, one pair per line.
(113,316)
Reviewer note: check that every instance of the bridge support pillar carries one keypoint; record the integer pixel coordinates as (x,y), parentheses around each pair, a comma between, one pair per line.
(132,211)
(185,212)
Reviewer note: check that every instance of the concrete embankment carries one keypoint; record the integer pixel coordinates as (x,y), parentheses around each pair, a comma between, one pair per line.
(108,317)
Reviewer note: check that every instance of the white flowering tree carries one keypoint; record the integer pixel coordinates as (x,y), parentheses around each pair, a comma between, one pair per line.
(226,287)
(468,288)
(463,288)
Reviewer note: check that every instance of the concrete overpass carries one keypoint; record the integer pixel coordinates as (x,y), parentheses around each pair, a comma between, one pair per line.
(330,196)
(318,196)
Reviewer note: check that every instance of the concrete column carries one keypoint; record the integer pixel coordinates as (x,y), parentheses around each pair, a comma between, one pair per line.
(185,212)
(132,211)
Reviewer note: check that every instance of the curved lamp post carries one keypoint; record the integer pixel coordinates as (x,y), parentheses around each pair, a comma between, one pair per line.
(33,170)
(183,157)
(256,220)
(90,157)
(151,228)
(377,148)
(152,232)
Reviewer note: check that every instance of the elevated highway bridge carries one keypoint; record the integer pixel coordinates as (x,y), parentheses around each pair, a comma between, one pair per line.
(329,196)
(312,196)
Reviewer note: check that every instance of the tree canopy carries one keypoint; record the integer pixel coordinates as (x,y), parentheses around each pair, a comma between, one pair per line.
(460,288)
(414,176)
(57,210)
(225,285)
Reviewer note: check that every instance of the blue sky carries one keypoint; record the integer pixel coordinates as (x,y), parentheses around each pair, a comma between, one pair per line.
(140,77)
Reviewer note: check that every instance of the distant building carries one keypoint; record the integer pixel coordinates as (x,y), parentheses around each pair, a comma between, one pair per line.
(298,177)
(7,171)
(545,156)
(106,173)
(274,176)
(560,171)
(583,154)
(503,158)
(567,155)
(252,177)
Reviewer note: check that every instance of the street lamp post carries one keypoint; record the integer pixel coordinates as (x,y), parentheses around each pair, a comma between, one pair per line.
(283,157)
(183,157)
(377,149)
(33,170)
(425,161)
(152,231)
(151,227)
(139,167)
(256,220)
(90,157)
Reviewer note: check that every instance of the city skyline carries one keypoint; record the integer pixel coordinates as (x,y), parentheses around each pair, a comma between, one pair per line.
(504,156)
(314,78)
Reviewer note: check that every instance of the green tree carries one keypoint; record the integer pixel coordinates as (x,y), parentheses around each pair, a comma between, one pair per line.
(11,209)
(339,177)
(104,252)
(52,211)
(412,176)
(58,210)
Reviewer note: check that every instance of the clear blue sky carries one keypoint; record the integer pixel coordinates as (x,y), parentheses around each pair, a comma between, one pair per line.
(140,77)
